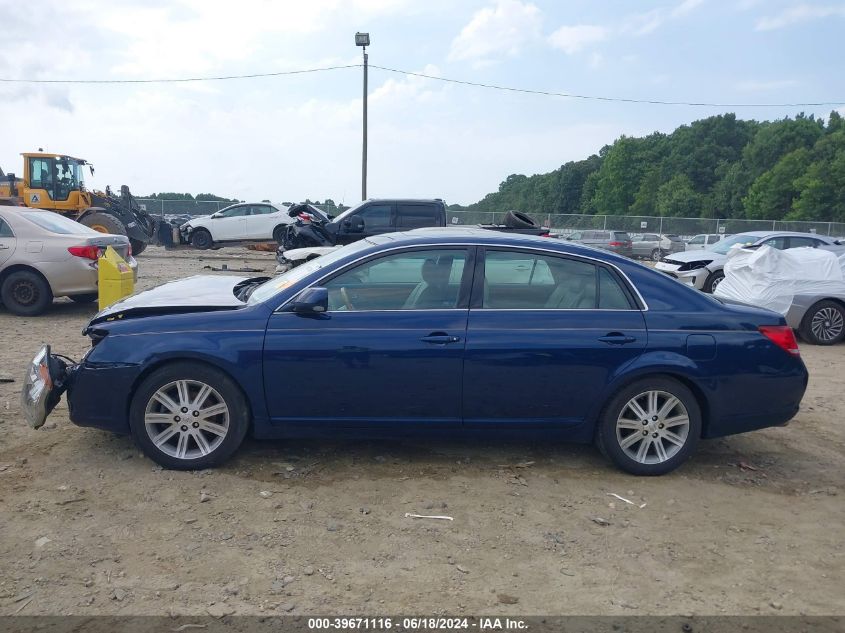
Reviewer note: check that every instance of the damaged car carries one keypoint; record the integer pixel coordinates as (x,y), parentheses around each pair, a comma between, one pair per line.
(435,331)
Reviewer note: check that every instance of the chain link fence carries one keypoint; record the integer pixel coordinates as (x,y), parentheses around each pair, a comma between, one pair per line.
(683,227)
(560,223)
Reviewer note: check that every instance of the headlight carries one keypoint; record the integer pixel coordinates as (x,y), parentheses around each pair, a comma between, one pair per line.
(694,265)
(185,226)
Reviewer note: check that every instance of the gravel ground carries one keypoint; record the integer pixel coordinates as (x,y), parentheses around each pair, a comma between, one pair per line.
(751,525)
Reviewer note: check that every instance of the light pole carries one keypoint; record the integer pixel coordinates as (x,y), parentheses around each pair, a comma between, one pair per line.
(363,40)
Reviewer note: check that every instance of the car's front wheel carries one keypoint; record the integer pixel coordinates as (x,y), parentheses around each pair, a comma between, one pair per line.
(650,427)
(188,416)
(656,254)
(713,281)
(824,324)
(201,239)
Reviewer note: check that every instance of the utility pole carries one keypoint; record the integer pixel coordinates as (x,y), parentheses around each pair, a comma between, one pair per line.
(363,40)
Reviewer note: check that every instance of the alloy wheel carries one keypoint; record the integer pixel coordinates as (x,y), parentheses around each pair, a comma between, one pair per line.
(827,324)
(652,427)
(187,419)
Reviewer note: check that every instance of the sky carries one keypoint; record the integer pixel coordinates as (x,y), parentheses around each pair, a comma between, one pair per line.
(293,137)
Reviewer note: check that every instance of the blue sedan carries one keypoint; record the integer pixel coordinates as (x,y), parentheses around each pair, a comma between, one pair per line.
(435,330)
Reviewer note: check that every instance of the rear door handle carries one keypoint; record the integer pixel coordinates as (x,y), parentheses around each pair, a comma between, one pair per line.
(3,247)
(440,338)
(617,338)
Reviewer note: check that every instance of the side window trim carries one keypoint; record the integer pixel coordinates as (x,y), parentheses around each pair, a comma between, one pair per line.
(477,296)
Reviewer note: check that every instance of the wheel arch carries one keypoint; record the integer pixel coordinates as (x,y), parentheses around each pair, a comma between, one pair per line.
(14,268)
(673,373)
(195,359)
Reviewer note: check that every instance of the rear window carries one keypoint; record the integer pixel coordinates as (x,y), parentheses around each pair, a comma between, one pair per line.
(621,236)
(55,223)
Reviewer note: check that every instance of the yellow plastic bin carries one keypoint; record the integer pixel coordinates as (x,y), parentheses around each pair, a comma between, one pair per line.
(114,277)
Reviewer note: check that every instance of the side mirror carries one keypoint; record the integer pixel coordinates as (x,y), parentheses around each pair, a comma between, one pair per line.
(355,224)
(312,301)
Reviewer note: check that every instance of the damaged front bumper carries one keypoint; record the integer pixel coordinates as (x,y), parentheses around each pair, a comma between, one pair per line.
(47,378)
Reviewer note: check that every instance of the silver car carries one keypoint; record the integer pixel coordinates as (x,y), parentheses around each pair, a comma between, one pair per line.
(819,318)
(618,242)
(653,246)
(704,269)
(45,255)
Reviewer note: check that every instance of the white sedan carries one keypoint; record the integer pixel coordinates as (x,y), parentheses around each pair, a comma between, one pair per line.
(245,222)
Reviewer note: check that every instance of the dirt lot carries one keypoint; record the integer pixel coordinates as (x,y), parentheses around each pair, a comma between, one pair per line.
(753,524)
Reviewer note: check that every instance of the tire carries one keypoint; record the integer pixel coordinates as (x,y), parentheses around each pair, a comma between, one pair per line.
(26,293)
(656,254)
(518,220)
(201,239)
(91,297)
(622,437)
(823,324)
(713,280)
(138,246)
(188,441)
(279,233)
(104,223)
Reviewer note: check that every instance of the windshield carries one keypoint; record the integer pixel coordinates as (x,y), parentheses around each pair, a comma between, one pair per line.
(55,223)
(348,212)
(70,174)
(276,285)
(743,239)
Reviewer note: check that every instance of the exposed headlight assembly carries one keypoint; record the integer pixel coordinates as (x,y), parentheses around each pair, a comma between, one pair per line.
(694,265)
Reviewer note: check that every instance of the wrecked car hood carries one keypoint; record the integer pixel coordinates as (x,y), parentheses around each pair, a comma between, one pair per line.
(197,293)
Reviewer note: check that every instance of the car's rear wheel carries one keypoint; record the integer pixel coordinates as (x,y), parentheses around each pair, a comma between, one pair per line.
(713,281)
(656,254)
(824,324)
(188,416)
(650,427)
(26,293)
(201,239)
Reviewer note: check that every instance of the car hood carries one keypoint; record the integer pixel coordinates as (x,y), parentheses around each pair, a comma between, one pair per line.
(695,256)
(192,294)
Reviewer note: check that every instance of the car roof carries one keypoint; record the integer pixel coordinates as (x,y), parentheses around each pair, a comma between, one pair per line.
(437,200)
(474,235)
(762,234)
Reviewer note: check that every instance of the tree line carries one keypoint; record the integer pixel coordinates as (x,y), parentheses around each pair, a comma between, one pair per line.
(718,167)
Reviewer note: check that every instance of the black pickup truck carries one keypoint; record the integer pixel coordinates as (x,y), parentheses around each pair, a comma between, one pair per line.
(318,233)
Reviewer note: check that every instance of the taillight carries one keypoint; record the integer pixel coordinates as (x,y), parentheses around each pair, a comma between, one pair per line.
(88,252)
(129,250)
(617,244)
(782,336)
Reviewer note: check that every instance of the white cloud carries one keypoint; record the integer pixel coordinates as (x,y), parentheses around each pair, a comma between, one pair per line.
(502,29)
(650,21)
(571,39)
(800,13)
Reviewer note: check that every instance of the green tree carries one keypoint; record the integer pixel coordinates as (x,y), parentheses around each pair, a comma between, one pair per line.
(771,195)
(677,197)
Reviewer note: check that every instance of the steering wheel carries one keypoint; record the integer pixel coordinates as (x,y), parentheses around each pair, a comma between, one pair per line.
(346,300)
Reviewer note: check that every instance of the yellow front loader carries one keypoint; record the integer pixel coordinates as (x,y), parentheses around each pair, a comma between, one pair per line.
(56,182)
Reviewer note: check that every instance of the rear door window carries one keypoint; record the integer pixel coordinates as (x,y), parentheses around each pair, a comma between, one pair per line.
(798,242)
(415,216)
(5,229)
(529,281)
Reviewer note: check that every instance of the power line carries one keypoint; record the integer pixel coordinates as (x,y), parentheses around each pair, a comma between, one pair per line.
(476,84)
(177,80)
(599,98)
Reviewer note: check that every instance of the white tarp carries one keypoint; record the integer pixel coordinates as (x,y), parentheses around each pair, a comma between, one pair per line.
(769,278)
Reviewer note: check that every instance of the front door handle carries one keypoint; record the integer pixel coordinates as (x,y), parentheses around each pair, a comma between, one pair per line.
(617,338)
(440,338)
(3,247)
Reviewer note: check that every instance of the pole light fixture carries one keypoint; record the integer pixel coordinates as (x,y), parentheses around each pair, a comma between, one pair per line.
(363,40)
